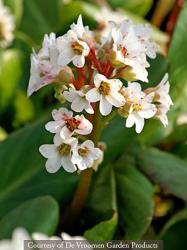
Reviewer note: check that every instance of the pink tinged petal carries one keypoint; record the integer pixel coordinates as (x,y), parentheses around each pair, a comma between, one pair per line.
(78,104)
(53,165)
(70,95)
(57,140)
(93,95)
(48,150)
(65,133)
(54,126)
(105,107)
(79,61)
(89,108)
(67,164)
(85,127)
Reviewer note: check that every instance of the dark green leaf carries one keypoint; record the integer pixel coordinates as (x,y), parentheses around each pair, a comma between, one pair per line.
(135,201)
(174,232)
(23,173)
(38,215)
(177,52)
(164,169)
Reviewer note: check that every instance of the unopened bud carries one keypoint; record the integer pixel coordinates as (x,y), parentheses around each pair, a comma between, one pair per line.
(127,74)
(65,76)
(59,90)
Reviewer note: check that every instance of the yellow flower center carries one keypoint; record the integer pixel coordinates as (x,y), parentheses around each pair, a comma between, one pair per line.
(64,149)
(137,107)
(83,151)
(104,88)
(77,48)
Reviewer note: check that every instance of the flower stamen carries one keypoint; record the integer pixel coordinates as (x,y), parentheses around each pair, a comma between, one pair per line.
(104,88)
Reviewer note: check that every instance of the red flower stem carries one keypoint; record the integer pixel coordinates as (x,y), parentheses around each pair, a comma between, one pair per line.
(95,62)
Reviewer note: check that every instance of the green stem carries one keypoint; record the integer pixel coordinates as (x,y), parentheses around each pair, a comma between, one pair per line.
(81,194)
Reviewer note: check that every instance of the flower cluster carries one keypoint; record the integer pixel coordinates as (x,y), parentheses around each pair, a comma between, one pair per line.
(96,73)
(6,26)
(20,235)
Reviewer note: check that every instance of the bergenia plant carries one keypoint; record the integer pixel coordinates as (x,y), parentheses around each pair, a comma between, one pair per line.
(96,77)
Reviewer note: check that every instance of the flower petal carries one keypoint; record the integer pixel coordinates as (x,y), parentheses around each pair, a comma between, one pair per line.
(93,95)
(67,164)
(105,107)
(53,165)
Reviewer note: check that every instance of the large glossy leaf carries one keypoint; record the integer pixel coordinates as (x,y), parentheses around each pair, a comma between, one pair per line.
(117,137)
(10,72)
(104,230)
(177,52)
(37,215)
(23,175)
(174,232)
(135,203)
(101,207)
(165,169)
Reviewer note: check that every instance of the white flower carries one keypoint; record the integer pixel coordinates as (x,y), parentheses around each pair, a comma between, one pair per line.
(162,92)
(17,241)
(79,29)
(7,26)
(72,50)
(162,99)
(78,99)
(143,109)
(128,50)
(161,114)
(107,92)
(143,33)
(138,106)
(66,124)
(67,237)
(85,154)
(44,68)
(41,236)
(59,154)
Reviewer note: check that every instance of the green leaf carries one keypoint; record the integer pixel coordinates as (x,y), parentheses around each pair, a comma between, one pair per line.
(134,195)
(115,147)
(37,215)
(104,230)
(44,15)
(164,169)
(177,50)
(174,232)
(138,7)
(10,72)
(102,212)
(25,176)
